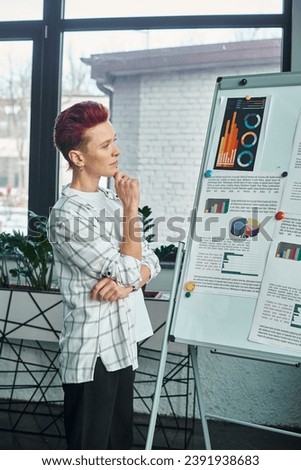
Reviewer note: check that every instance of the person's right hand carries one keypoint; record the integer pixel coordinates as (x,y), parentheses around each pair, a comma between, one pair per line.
(127,189)
(108,289)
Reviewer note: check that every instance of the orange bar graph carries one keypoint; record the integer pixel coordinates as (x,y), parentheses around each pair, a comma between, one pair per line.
(224,139)
(228,144)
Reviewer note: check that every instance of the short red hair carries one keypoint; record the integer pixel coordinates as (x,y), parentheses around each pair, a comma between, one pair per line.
(72,123)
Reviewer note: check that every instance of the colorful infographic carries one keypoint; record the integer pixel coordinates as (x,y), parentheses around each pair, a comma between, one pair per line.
(244,228)
(289,251)
(240,133)
(296,317)
(217,206)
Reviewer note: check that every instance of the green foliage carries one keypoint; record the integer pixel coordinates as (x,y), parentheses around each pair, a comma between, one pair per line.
(32,255)
(166,252)
(147,221)
(6,250)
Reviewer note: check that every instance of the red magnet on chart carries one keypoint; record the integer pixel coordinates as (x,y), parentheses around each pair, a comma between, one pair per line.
(280,215)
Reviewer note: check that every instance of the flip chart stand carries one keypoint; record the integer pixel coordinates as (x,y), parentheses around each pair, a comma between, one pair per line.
(225,320)
(273,361)
(193,354)
(162,363)
(164,350)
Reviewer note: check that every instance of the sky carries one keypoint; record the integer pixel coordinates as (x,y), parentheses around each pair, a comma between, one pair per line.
(32,9)
(155,7)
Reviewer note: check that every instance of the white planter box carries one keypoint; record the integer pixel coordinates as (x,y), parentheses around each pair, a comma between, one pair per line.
(30,315)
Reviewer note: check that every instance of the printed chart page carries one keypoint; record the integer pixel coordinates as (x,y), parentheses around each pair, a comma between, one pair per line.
(277,318)
(233,231)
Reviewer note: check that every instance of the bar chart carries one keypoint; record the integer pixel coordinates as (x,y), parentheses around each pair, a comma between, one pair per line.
(228,144)
(242,264)
(288,251)
(217,206)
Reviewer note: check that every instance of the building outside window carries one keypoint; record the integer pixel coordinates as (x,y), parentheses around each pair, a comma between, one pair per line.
(15,108)
(154,67)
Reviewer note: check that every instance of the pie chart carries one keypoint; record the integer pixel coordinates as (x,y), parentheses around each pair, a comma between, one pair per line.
(244,228)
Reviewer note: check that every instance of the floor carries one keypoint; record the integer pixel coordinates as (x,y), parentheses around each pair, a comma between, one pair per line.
(42,428)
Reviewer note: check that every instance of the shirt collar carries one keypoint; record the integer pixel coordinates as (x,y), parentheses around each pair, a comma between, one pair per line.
(107,192)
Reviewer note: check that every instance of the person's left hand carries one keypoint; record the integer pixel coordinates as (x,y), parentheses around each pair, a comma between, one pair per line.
(108,289)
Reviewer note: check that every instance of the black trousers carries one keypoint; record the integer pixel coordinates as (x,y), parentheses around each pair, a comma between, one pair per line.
(99,414)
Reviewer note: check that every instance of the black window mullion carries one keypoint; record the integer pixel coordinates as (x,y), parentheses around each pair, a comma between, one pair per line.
(175,22)
(43,165)
(287,36)
(36,123)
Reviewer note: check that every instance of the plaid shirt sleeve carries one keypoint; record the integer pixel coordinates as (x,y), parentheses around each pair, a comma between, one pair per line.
(83,240)
(150,260)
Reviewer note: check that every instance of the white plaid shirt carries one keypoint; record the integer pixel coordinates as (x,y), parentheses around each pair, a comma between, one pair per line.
(85,241)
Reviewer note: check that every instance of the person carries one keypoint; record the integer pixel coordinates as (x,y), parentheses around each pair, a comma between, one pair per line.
(102,261)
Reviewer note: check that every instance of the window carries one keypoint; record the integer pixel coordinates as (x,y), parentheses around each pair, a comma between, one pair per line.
(159,85)
(15,108)
(14,10)
(145,8)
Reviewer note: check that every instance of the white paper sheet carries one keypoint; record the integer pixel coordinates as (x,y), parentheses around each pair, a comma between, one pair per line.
(291,201)
(234,227)
(277,318)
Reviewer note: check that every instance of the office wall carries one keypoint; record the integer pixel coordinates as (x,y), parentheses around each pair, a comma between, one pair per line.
(161,122)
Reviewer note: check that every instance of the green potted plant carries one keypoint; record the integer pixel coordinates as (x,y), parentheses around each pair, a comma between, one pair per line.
(32,256)
(147,222)
(166,253)
(6,249)
(30,305)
